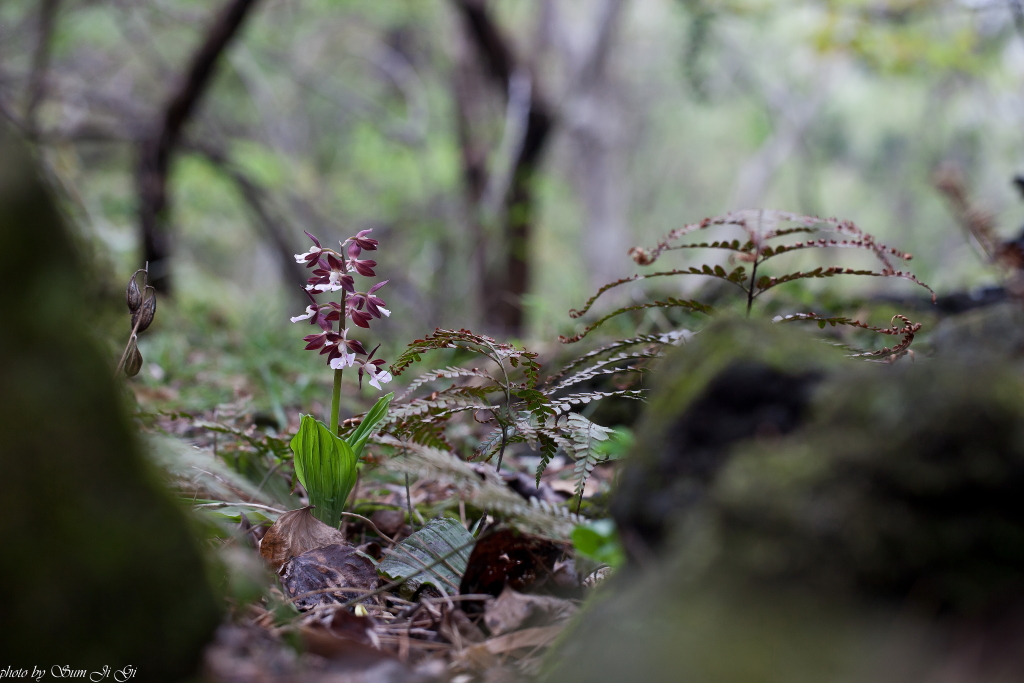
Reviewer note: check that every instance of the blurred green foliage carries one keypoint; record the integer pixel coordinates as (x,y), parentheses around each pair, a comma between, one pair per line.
(343,113)
(598,541)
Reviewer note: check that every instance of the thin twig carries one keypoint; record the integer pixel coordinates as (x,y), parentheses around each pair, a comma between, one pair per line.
(366,593)
(250,505)
(372,526)
(408,498)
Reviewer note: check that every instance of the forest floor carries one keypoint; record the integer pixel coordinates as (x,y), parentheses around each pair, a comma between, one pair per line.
(325,607)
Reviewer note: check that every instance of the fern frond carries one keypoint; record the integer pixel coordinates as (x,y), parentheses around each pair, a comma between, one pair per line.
(671,338)
(770,252)
(753,222)
(843,227)
(822,321)
(690,305)
(907,331)
(470,341)
(564,404)
(583,434)
(450,372)
(437,406)
(732,245)
(526,426)
(765,283)
(548,448)
(489,445)
(448,339)
(261,444)
(646,257)
(577,437)
(736,277)
(608,366)
(789,231)
(481,488)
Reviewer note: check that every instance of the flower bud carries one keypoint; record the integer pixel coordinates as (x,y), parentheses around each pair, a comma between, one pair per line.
(145,313)
(132,295)
(133,363)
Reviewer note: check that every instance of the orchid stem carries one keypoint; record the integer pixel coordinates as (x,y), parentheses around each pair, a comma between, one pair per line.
(336,403)
(336,396)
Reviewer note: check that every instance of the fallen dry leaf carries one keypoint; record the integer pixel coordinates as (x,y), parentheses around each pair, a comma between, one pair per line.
(458,630)
(345,624)
(530,637)
(390,522)
(513,611)
(334,566)
(482,655)
(294,533)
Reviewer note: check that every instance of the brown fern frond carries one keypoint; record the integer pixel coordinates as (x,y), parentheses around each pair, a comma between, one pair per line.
(646,257)
(769,252)
(694,306)
(732,245)
(736,277)
(974,221)
(753,222)
(907,331)
(765,283)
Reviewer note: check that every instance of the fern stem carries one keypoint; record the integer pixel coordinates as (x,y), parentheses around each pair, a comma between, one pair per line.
(750,289)
(504,442)
(506,386)
(757,256)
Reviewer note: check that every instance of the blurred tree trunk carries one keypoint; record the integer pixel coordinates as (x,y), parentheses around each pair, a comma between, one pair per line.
(157,148)
(36,90)
(503,286)
(592,117)
(266,220)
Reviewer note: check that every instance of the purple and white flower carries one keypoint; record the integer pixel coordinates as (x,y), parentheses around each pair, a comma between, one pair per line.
(332,272)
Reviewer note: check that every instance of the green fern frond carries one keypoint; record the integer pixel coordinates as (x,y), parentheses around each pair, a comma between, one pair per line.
(483,489)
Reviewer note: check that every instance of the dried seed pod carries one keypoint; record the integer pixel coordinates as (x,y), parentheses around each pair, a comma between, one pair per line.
(146,311)
(134,362)
(132,295)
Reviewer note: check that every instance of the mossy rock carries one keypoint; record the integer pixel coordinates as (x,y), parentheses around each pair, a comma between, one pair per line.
(872,532)
(737,379)
(100,564)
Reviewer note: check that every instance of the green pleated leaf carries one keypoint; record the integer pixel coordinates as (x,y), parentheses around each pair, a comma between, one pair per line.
(326,467)
(364,431)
